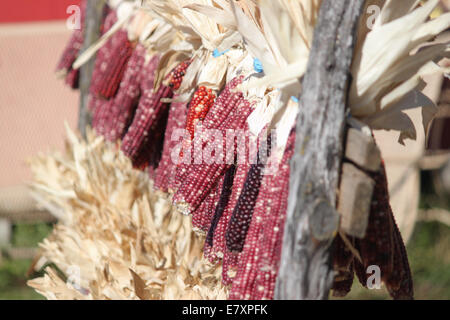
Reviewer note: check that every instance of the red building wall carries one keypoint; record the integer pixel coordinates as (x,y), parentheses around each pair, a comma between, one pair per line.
(34,10)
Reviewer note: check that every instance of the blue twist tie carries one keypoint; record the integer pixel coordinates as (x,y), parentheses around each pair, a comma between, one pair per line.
(295,99)
(257,65)
(217,53)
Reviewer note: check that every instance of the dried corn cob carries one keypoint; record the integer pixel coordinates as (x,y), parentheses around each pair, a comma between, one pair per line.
(258,263)
(102,59)
(201,218)
(215,247)
(100,115)
(72,79)
(199,107)
(178,74)
(165,175)
(120,52)
(243,212)
(343,266)
(143,141)
(221,110)
(221,204)
(229,112)
(125,102)
(72,51)
(199,179)
(383,246)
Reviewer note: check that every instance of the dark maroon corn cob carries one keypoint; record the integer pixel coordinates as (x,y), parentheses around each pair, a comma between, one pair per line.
(125,102)
(383,245)
(343,266)
(144,139)
(217,250)
(221,204)
(109,80)
(258,263)
(165,176)
(243,212)
(72,78)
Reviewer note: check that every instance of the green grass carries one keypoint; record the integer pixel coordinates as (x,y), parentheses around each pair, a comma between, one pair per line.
(13,273)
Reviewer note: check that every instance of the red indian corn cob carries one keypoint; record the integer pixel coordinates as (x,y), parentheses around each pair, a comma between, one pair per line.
(125,102)
(71,52)
(143,141)
(198,108)
(200,178)
(258,264)
(201,218)
(121,51)
(228,113)
(102,59)
(221,204)
(222,109)
(100,116)
(165,175)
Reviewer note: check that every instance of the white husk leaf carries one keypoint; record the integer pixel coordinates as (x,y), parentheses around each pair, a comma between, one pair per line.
(123,240)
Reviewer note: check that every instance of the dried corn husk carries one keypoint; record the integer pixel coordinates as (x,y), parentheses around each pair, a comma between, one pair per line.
(126,241)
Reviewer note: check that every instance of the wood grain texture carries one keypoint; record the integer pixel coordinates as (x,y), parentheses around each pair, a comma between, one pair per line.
(94,14)
(355,195)
(312,220)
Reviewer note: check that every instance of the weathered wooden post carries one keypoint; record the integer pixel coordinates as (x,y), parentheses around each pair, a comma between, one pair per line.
(94,13)
(312,220)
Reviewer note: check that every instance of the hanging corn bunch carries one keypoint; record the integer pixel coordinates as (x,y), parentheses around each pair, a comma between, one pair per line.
(170,73)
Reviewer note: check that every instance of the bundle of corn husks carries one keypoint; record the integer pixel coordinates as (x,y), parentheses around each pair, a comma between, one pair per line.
(116,238)
(174,75)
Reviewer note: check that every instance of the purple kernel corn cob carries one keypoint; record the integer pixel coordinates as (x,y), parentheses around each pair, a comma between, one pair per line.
(242,213)
(216,251)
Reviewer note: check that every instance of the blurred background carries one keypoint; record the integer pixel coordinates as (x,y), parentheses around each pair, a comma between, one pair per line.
(34,105)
